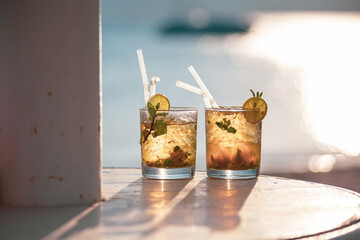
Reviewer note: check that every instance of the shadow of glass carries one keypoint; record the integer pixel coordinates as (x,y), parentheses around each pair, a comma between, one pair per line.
(213,203)
(141,201)
(129,210)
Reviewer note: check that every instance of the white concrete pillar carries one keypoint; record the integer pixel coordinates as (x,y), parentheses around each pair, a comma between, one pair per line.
(50,102)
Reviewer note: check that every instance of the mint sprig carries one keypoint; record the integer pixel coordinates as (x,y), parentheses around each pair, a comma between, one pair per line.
(225,125)
(157,127)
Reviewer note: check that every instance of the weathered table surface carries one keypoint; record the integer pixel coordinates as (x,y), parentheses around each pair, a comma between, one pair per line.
(201,208)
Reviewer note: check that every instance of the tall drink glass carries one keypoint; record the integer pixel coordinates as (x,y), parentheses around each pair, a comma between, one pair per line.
(168,143)
(233,145)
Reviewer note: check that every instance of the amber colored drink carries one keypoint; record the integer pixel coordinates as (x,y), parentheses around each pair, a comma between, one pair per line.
(233,145)
(171,155)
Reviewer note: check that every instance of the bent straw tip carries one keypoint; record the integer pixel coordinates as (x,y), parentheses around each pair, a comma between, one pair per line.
(154,79)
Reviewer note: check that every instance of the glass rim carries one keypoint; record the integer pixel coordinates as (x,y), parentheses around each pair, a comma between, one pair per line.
(174,109)
(230,109)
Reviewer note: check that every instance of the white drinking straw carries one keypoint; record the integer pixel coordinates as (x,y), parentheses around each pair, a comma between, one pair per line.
(195,90)
(153,81)
(143,75)
(203,87)
(188,87)
(206,100)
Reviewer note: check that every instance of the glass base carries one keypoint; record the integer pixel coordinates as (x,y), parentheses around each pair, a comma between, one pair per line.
(168,173)
(233,174)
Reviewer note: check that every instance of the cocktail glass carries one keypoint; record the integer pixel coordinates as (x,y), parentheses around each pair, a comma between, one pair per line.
(233,145)
(168,143)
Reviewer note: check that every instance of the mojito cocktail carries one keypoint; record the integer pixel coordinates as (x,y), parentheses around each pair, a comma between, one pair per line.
(167,135)
(233,145)
(233,139)
(168,142)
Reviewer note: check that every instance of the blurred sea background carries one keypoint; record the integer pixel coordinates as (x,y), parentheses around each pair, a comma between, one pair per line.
(304,56)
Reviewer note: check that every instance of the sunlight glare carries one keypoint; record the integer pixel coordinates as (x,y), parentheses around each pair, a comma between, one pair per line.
(325,49)
(321,163)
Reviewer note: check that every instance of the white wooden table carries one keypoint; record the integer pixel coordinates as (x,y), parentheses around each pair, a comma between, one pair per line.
(201,208)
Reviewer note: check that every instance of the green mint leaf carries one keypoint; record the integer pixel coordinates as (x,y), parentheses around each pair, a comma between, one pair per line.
(209,122)
(261,94)
(176,148)
(231,130)
(152,112)
(157,163)
(143,134)
(159,127)
(168,162)
(187,154)
(225,125)
(224,122)
(149,105)
(151,109)
(220,125)
(157,106)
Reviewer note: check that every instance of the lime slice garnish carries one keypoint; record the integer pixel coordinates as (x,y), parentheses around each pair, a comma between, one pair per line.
(260,109)
(163,102)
